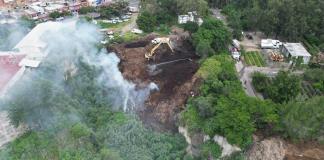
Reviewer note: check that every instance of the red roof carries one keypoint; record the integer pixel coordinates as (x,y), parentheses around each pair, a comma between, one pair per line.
(8,68)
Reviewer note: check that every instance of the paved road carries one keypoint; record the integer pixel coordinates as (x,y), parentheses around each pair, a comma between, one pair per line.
(132,24)
(245,74)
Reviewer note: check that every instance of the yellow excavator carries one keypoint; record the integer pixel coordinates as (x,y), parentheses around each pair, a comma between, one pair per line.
(158,42)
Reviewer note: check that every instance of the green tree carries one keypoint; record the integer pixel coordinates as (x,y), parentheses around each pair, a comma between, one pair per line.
(55,15)
(200,6)
(146,21)
(304,120)
(191,27)
(214,32)
(210,150)
(204,49)
(284,87)
(260,81)
(85,10)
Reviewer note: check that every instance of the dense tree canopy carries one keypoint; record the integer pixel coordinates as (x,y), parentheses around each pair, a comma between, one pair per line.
(146,21)
(222,106)
(293,20)
(70,117)
(213,32)
(315,77)
(304,120)
(283,88)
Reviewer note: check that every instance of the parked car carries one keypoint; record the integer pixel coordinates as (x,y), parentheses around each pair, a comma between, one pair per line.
(137,31)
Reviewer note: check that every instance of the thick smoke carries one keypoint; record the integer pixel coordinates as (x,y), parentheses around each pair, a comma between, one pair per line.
(72,41)
(11,34)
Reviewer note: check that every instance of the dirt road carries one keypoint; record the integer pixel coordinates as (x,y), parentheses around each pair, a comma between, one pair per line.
(128,27)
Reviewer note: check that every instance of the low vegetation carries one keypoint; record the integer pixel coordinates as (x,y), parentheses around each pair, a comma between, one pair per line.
(56,14)
(254,59)
(116,9)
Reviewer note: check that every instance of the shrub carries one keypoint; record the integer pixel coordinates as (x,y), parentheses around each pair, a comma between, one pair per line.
(210,149)
(146,21)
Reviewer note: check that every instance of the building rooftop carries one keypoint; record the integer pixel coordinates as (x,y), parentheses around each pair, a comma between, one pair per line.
(296,49)
(9,66)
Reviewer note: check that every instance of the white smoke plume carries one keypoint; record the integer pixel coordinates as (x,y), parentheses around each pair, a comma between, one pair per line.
(72,41)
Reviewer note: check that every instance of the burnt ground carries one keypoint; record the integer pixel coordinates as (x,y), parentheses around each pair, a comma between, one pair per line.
(176,80)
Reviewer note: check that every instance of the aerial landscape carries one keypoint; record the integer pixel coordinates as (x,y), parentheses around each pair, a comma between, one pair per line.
(161,80)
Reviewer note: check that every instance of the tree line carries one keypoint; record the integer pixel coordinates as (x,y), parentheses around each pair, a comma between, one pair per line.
(293,20)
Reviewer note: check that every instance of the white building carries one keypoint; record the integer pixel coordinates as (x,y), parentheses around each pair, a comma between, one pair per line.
(296,50)
(190,17)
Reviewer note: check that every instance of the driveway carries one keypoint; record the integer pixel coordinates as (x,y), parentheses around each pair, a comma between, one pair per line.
(245,75)
(128,27)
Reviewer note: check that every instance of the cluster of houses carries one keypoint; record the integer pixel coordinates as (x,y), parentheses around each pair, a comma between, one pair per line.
(41,10)
(288,50)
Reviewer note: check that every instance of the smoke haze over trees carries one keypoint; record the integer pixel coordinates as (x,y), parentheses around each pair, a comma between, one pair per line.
(73,106)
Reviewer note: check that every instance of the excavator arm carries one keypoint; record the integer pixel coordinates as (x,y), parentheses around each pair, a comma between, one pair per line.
(150,54)
(153,51)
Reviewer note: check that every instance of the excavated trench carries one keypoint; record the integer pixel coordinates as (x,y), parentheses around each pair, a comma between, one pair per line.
(174,73)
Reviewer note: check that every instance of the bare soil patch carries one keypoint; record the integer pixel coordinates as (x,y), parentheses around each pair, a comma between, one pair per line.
(174,73)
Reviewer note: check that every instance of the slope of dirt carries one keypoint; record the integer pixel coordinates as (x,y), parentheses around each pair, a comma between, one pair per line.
(176,80)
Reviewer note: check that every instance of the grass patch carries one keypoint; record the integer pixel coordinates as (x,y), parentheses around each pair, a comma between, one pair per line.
(102,24)
(254,59)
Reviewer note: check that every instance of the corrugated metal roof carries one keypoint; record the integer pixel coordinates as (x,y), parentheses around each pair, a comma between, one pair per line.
(297,50)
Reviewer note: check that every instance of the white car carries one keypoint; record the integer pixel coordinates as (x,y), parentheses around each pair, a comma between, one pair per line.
(110,32)
(137,31)
(107,21)
(125,17)
(236,55)
(104,42)
(111,37)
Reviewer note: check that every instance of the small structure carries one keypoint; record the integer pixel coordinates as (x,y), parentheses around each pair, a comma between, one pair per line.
(133,9)
(270,44)
(296,50)
(190,17)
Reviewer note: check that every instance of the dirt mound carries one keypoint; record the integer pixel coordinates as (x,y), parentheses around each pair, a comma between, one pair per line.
(172,72)
(275,148)
(268,149)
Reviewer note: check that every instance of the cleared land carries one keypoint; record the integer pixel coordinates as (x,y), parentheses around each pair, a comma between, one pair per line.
(173,73)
